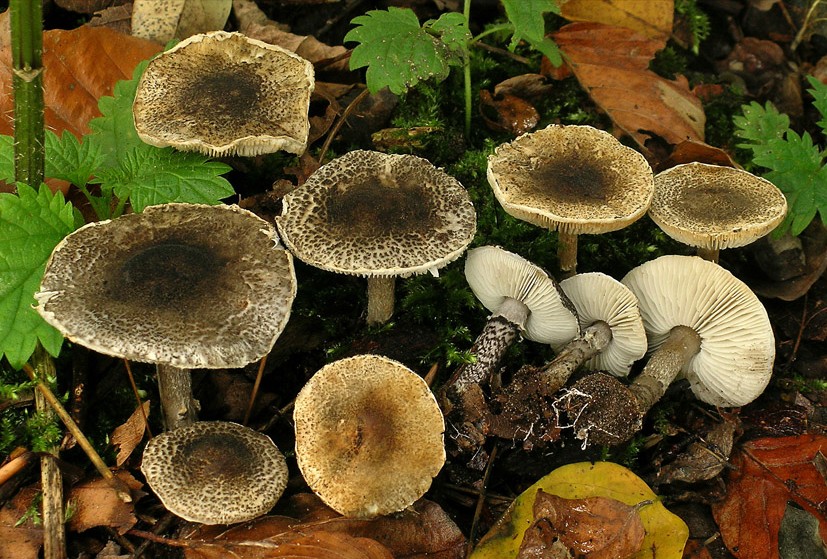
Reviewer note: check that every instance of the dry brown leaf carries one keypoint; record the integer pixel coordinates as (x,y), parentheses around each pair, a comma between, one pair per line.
(97,504)
(116,18)
(611,63)
(23,541)
(309,545)
(129,435)
(593,527)
(693,151)
(653,18)
(81,65)
(88,6)
(705,459)
(508,113)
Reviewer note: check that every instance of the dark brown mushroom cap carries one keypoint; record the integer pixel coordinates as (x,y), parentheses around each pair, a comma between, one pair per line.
(369,435)
(215,472)
(715,207)
(372,214)
(575,179)
(224,93)
(186,285)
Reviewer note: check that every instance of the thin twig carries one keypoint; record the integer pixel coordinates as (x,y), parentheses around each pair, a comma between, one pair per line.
(255,390)
(137,396)
(480,502)
(336,127)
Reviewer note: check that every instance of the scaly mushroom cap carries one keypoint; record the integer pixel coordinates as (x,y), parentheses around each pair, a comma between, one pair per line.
(186,285)
(714,207)
(222,93)
(369,435)
(494,274)
(597,296)
(575,179)
(372,214)
(215,472)
(737,351)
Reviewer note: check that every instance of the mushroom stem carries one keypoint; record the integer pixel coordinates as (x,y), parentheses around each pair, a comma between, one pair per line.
(592,341)
(567,254)
(664,365)
(179,407)
(710,254)
(381,298)
(496,337)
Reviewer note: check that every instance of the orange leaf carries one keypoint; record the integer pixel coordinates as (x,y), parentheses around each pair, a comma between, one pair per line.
(653,18)
(97,504)
(611,63)
(127,436)
(81,65)
(765,475)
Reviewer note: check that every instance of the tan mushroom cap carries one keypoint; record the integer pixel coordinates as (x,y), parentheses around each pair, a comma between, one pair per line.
(215,472)
(715,207)
(369,435)
(372,214)
(185,285)
(737,351)
(222,93)
(575,179)
(599,297)
(495,274)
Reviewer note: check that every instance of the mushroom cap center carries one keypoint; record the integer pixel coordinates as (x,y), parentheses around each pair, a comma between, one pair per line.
(374,209)
(222,94)
(574,178)
(216,457)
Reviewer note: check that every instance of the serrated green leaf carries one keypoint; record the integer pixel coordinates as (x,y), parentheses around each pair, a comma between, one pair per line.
(527,18)
(114,131)
(32,223)
(69,159)
(452,28)
(760,124)
(148,176)
(399,53)
(6,158)
(819,93)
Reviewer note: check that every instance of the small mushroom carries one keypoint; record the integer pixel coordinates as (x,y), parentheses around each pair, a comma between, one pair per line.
(573,180)
(183,286)
(223,93)
(369,435)
(702,323)
(215,472)
(712,207)
(380,216)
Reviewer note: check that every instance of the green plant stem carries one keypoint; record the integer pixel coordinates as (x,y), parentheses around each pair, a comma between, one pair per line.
(27,68)
(466,73)
(490,31)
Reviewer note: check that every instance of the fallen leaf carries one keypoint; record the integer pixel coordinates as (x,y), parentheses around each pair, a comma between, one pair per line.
(593,527)
(612,64)
(653,18)
(116,18)
(315,545)
(81,65)
(164,20)
(21,541)
(665,536)
(88,6)
(705,459)
(97,504)
(799,535)
(129,435)
(766,475)
(525,86)
(508,113)
(691,151)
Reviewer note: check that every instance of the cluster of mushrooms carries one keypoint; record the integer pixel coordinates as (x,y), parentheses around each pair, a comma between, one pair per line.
(143,287)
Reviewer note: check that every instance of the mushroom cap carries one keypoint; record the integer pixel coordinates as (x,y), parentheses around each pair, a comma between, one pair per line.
(737,351)
(215,472)
(372,214)
(369,435)
(597,296)
(494,274)
(575,179)
(715,207)
(222,93)
(186,285)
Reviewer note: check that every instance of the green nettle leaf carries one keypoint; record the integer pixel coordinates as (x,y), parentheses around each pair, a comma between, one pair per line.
(32,223)
(759,125)
(148,176)
(71,160)
(6,159)
(399,53)
(819,93)
(114,132)
(527,18)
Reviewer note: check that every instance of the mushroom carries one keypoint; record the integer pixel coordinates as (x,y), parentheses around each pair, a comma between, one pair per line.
(223,93)
(215,472)
(180,285)
(572,179)
(381,216)
(369,435)
(712,207)
(702,323)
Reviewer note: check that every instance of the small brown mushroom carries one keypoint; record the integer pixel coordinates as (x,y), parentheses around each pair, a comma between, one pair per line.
(215,472)
(380,216)
(223,93)
(713,207)
(573,180)
(369,435)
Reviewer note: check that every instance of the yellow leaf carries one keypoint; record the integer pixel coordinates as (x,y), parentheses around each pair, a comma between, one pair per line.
(666,534)
(652,18)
